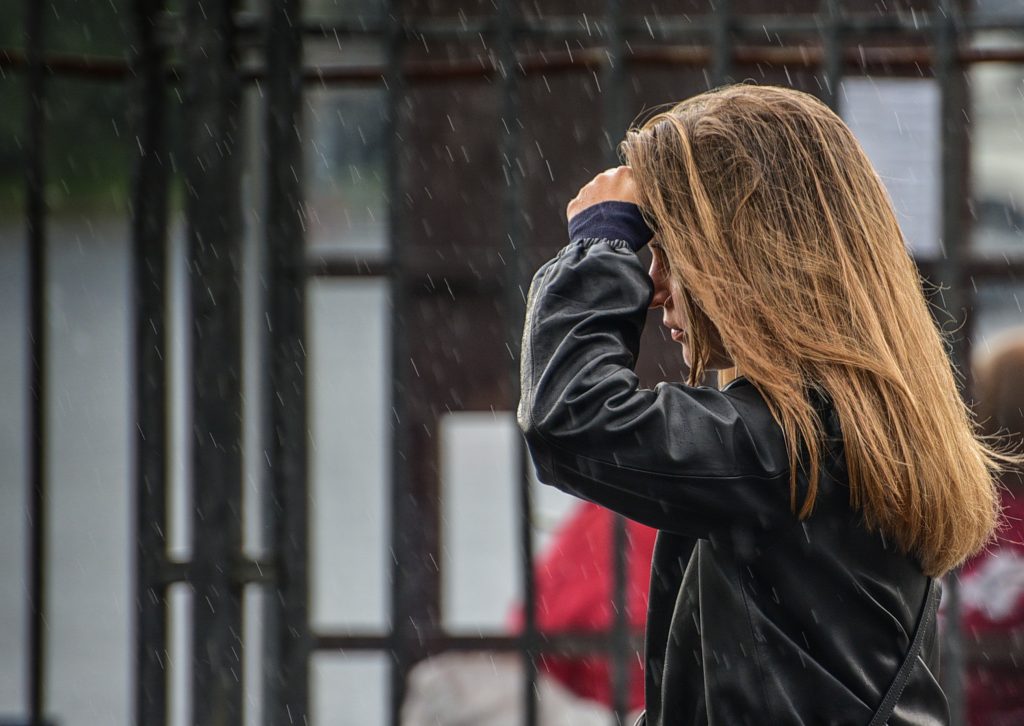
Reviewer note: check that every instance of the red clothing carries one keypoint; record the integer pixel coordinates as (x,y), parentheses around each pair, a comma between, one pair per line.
(992,598)
(574,580)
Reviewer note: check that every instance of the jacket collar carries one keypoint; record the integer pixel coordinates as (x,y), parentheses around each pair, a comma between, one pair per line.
(736,382)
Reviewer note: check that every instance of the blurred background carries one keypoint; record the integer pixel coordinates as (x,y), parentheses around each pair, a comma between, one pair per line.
(263,272)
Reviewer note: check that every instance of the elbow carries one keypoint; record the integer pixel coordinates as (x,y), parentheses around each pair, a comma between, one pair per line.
(539,416)
(548,422)
(526,417)
(538,441)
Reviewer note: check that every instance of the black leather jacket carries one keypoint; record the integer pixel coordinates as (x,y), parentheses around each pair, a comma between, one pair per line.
(754,616)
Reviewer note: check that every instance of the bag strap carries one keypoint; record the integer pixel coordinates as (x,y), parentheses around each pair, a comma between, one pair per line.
(924,621)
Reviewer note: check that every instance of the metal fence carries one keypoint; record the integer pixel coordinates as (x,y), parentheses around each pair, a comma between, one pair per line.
(208,52)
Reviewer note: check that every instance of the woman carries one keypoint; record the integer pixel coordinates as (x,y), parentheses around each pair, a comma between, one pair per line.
(992,583)
(806,506)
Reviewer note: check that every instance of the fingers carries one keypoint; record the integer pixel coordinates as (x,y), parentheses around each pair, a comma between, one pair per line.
(614,184)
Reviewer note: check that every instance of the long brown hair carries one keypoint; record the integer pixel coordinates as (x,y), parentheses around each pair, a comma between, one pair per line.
(780,233)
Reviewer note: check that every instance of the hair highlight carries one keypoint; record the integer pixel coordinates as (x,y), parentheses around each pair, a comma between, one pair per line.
(781,235)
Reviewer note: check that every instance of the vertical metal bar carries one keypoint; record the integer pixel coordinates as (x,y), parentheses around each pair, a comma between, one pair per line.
(35,216)
(620,628)
(721,38)
(403,634)
(953,202)
(613,98)
(213,154)
(832,36)
(515,306)
(289,641)
(531,638)
(149,457)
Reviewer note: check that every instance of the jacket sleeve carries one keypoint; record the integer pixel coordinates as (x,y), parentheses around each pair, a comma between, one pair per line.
(685,459)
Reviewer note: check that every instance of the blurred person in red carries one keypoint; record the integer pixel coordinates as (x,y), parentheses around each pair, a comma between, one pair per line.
(992,583)
(574,584)
(574,580)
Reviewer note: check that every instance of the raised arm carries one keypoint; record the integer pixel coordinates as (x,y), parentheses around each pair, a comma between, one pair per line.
(679,458)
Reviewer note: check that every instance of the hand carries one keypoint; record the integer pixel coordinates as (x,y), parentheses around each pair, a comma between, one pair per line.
(615,184)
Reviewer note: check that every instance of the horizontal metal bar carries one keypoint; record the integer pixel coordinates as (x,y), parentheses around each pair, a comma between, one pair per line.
(254,572)
(979,267)
(244,571)
(423,284)
(848,24)
(667,27)
(335,265)
(868,59)
(563,643)
(864,59)
(417,282)
(174,571)
(101,68)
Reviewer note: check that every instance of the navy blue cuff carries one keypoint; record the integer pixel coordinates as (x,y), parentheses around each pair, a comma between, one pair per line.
(611,220)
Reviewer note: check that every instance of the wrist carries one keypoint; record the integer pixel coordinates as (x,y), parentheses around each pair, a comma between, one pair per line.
(611,220)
